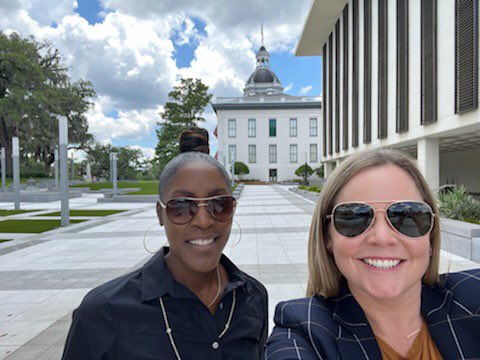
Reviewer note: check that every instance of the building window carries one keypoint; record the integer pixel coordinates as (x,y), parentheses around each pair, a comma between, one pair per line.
(252,154)
(367,71)
(337,86)
(402,66)
(293,127)
(313,127)
(272,153)
(355,71)
(272,126)
(252,128)
(382,68)
(428,61)
(466,56)
(324,98)
(232,153)
(330,95)
(313,153)
(232,128)
(345,79)
(293,153)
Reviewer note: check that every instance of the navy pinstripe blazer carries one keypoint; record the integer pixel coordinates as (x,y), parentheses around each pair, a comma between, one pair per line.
(336,328)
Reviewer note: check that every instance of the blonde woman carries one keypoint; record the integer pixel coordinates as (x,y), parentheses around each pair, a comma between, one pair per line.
(374,291)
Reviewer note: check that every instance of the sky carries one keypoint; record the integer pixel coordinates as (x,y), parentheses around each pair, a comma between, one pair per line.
(135,51)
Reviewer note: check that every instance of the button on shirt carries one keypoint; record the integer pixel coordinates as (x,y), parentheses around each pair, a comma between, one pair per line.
(122,319)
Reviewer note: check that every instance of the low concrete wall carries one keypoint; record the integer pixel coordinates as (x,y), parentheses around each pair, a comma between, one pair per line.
(37,197)
(461,238)
(130,198)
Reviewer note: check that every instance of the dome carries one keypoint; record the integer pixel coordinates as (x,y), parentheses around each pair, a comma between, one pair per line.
(262,75)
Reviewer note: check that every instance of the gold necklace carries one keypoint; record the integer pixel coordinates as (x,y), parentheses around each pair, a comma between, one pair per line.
(168,329)
(219,290)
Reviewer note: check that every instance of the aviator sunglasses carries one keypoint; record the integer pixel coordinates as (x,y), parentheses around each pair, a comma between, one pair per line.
(181,210)
(406,217)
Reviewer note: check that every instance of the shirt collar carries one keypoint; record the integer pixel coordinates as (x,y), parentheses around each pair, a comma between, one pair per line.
(157,279)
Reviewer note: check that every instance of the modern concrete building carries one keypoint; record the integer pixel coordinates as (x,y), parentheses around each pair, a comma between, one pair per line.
(272,132)
(401,74)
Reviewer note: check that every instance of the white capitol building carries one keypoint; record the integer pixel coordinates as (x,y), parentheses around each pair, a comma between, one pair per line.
(272,132)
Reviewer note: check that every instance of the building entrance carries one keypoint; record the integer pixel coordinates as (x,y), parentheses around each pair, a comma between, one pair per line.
(272,175)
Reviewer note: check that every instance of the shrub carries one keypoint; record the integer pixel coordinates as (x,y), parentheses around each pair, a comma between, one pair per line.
(240,169)
(310,188)
(459,205)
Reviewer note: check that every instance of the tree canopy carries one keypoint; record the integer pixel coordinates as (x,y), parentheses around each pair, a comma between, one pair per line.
(34,90)
(129,161)
(240,169)
(184,110)
(304,171)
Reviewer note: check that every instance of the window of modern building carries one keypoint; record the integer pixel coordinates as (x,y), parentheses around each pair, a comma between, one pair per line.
(252,154)
(402,66)
(252,128)
(272,127)
(293,153)
(272,153)
(232,153)
(382,69)
(293,127)
(324,98)
(355,71)
(313,153)
(428,15)
(345,80)
(337,86)
(313,127)
(466,55)
(232,128)
(367,71)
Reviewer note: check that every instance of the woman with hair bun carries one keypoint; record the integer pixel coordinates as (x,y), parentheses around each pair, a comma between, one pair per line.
(194,139)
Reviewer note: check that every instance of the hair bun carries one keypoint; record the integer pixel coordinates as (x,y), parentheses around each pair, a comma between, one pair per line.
(194,139)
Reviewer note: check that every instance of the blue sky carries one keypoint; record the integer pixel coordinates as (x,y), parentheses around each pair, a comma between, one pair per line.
(134,52)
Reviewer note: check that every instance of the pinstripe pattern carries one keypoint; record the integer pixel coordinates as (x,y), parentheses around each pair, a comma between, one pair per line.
(336,328)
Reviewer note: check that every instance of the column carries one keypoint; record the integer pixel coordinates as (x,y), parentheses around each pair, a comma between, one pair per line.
(428,161)
(16,171)
(327,168)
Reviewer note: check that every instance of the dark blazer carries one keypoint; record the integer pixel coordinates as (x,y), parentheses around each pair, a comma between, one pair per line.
(336,328)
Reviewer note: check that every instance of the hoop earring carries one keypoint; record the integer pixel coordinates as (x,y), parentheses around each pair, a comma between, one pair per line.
(240,235)
(145,240)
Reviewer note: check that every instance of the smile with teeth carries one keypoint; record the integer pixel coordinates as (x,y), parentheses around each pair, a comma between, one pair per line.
(201,242)
(382,264)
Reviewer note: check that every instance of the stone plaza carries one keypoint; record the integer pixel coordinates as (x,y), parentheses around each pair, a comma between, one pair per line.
(43,277)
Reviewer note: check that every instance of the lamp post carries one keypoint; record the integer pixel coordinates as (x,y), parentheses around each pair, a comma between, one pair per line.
(4,170)
(63,157)
(16,171)
(114,173)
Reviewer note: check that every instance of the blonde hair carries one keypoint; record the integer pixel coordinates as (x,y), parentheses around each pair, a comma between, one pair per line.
(324,277)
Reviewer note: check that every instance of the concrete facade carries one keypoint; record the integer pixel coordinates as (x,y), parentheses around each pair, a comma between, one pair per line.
(448,149)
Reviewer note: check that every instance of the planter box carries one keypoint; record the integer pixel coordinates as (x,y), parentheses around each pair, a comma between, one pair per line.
(461,238)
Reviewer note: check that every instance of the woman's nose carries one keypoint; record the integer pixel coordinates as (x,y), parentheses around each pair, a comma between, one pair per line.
(381,233)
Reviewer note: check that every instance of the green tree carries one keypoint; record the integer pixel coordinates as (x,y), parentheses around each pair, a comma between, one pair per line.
(304,171)
(185,108)
(240,169)
(34,90)
(129,161)
(320,171)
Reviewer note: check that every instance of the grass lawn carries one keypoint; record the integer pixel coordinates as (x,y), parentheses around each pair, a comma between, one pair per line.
(86,213)
(30,226)
(3,240)
(13,212)
(147,187)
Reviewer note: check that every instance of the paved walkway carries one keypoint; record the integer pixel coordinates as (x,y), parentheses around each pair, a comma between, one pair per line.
(44,277)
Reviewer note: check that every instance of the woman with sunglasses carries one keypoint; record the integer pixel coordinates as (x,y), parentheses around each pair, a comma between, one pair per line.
(374,291)
(188,301)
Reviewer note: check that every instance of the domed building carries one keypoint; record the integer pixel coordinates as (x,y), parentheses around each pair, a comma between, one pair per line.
(273,133)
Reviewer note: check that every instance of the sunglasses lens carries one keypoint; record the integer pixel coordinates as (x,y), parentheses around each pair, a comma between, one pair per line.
(180,211)
(413,219)
(222,208)
(352,219)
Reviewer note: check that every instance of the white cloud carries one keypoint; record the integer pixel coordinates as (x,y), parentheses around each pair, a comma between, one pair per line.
(148,153)
(305,90)
(130,56)
(288,87)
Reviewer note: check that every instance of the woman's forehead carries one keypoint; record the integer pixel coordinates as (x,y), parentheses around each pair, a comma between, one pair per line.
(197,177)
